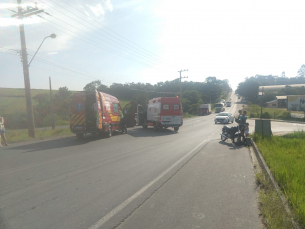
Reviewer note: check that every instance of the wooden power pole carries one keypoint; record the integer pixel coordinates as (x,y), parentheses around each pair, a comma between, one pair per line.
(27,86)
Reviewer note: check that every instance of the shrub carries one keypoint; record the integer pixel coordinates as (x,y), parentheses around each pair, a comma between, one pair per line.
(266,115)
(286,115)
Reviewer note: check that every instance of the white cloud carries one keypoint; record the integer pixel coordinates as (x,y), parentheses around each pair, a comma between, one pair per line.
(97,10)
(109,5)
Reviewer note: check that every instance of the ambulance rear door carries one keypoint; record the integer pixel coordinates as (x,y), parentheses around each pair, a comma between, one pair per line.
(129,114)
(78,112)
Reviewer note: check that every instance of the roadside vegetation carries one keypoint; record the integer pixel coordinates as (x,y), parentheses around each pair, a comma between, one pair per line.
(271,206)
(22,135)
(254,111)
(249,89)
(285,156)
(13,108)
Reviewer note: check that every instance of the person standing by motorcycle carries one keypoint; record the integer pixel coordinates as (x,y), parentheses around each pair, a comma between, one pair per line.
(242,124)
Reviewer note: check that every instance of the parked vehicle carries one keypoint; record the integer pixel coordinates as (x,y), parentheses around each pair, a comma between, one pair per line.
(163,112)
(224,117)
(219,107)
(229,104)
(223,101)
(205,109)
(98,112)
(234,134)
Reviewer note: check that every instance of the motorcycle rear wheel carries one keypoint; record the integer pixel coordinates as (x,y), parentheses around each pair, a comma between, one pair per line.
(239,139)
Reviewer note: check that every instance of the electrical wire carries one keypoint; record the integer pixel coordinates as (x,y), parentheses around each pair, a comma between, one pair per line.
(95,36)
(58,66)
(92,43)
(125,47)
(130,42)
(52,64)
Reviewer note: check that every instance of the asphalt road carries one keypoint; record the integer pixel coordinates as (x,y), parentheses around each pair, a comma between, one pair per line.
(143,179)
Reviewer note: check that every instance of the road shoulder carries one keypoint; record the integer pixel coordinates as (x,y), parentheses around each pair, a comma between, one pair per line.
(215,189)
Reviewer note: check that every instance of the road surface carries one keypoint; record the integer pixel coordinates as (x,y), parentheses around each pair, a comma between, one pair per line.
(143,179)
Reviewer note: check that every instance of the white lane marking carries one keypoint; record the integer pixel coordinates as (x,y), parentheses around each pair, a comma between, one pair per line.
(103,220)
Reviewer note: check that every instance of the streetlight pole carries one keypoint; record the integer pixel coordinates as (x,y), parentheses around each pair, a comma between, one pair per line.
(52,36)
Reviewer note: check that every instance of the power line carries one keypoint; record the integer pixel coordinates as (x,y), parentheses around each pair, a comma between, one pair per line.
(132,43)
(58,66)
(93,43)
(120,43)
(91,35)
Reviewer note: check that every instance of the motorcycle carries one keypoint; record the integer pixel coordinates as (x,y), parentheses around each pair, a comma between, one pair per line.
(234,134)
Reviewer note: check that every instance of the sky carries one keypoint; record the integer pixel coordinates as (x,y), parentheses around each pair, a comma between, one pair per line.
(149,41)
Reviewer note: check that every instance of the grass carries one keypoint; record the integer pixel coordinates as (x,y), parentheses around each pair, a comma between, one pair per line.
(271,207)
(21,135)
(254,111)
(187,115)
(285,156)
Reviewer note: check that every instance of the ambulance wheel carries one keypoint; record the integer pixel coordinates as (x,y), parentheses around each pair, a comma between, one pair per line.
(109,133)
(176,128)
(79,136)
(155,126)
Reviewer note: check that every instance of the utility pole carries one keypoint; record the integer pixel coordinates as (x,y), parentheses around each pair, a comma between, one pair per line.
(52,109)
(181,82)
(27,86)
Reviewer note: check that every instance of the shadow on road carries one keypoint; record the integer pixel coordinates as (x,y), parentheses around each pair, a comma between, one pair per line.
(57,143)
(231,145)
(150,132)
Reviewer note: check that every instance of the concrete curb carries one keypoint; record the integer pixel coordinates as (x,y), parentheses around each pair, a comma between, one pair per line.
(274,183)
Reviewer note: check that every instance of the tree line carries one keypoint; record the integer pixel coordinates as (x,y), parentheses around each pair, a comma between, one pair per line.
(212,90)
(194,94)
(249,88)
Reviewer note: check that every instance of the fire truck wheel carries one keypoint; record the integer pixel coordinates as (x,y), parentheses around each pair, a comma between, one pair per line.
(176,128)
(109,134)
(155,126)
(79,136)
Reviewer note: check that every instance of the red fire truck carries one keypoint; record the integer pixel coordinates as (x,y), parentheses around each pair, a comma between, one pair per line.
(98,112)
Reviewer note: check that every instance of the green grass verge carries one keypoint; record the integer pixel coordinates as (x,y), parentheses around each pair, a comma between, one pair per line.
(21,135)
(285,156)
(271,207)
(187,115)
(254,111)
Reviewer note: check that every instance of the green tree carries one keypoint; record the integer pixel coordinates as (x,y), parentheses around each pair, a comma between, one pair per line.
(249,89)
(301,71)
(93,85)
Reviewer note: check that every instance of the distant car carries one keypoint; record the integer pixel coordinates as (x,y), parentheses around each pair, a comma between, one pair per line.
(228,104)
(224,117)
(238,97)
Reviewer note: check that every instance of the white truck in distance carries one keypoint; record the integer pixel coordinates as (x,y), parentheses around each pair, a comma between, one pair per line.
(219,107)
